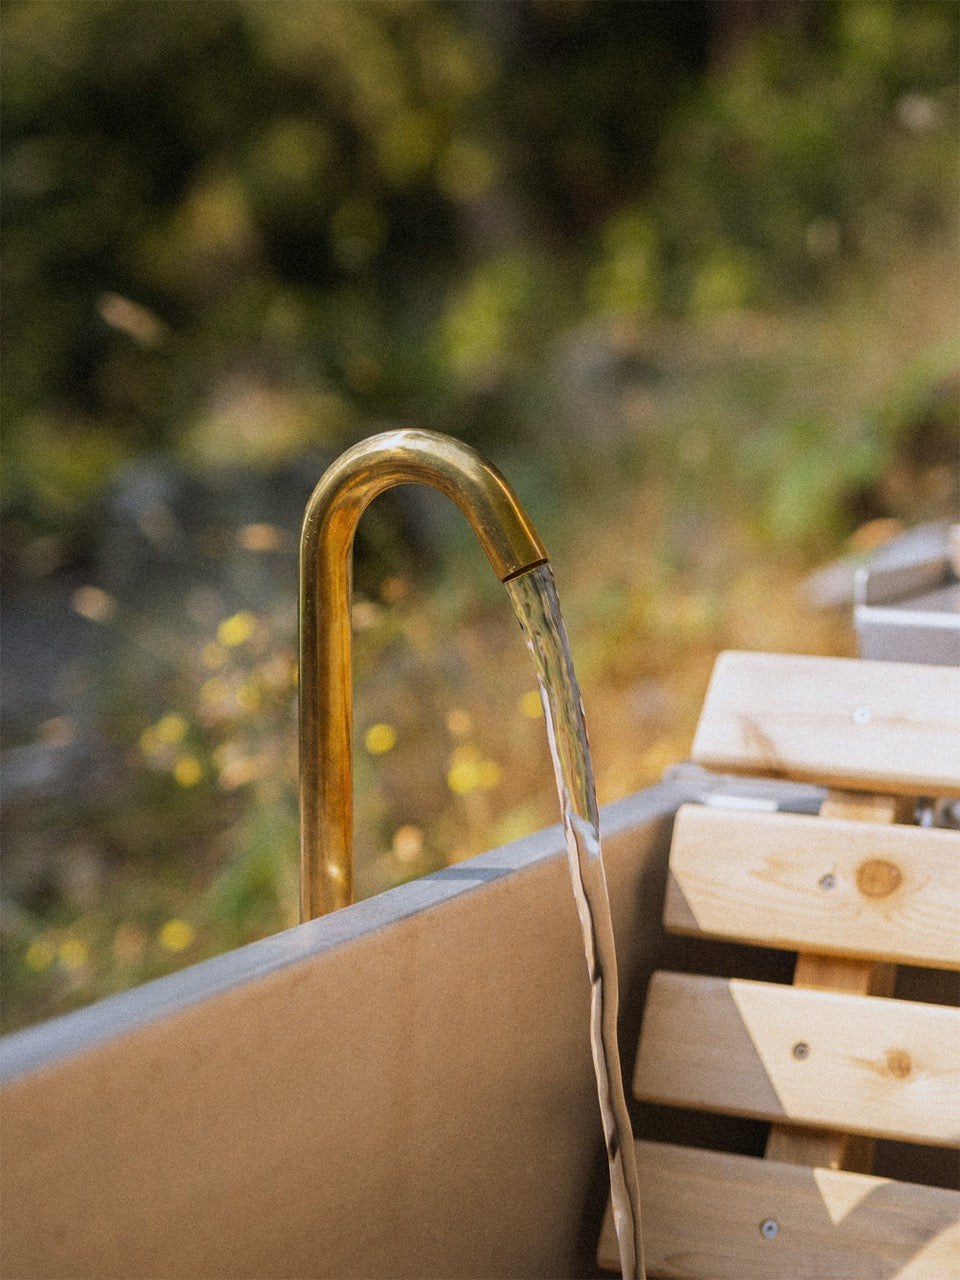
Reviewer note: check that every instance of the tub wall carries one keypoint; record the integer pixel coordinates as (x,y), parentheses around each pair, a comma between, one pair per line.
(402,1090)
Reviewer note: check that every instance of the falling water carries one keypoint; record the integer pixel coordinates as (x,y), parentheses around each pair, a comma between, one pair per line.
(535,601)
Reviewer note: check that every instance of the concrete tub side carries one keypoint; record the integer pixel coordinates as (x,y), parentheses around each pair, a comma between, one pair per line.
(403,1089)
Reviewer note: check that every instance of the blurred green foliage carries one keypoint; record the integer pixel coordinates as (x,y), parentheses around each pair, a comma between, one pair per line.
(387,208)
(678,265)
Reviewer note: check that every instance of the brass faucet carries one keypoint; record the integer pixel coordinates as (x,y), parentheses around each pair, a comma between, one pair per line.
(326,713)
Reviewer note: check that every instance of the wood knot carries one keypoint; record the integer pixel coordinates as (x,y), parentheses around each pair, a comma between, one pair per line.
(899,1064)
(878,878)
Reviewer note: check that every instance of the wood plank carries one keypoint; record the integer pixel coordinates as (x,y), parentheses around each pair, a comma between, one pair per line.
(829,1148)
(872,726)
(703,1214)
(869,806)
(855,889)
(836,973)
(858,1064)
(823,1148)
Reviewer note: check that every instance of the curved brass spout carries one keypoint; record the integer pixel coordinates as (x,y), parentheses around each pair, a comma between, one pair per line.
(326,712)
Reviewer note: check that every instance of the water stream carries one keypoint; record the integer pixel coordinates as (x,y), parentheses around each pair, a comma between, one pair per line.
(535,601)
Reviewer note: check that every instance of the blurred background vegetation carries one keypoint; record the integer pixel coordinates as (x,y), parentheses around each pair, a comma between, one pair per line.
(686,271)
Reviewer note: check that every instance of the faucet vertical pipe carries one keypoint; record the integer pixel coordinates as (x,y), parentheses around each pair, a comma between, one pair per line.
(326,551)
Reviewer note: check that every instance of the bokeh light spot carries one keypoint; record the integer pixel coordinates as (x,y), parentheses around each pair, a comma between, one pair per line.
(170,728)
(380,738)
(187,771)
(236,630)
(94,604)
(407,843)
(469,771)
(40,955)
(177,935)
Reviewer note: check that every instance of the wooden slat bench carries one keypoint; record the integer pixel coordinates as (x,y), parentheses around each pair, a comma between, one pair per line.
(833,1062)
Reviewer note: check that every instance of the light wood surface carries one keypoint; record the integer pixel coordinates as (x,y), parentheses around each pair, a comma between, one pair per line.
(831,1148)
(875,878)
(871,726)
(703,1213)
(822,1148)
(836,973)
(831,1061)
(858,1064)
(856,889)
(869,806)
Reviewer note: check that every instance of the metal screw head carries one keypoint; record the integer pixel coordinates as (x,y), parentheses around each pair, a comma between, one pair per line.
(801,1050)
(769,1228)
(828,882)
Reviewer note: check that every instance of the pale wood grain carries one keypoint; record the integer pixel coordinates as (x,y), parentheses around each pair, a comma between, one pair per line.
(855,889)
(868,806)
(828,1148)
(873,726)
(824,1148)
(703,1210)
(858,1064)
(836,973)
(828,1062)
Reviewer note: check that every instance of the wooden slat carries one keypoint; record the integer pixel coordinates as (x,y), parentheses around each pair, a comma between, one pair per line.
(829,1148)
(837,973)
(856,889)
(858,1064)
(703,1213)
(824,1148)
(869,806)
(873,726)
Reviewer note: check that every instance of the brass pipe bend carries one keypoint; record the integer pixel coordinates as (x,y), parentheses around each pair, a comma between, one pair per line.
(325,686)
